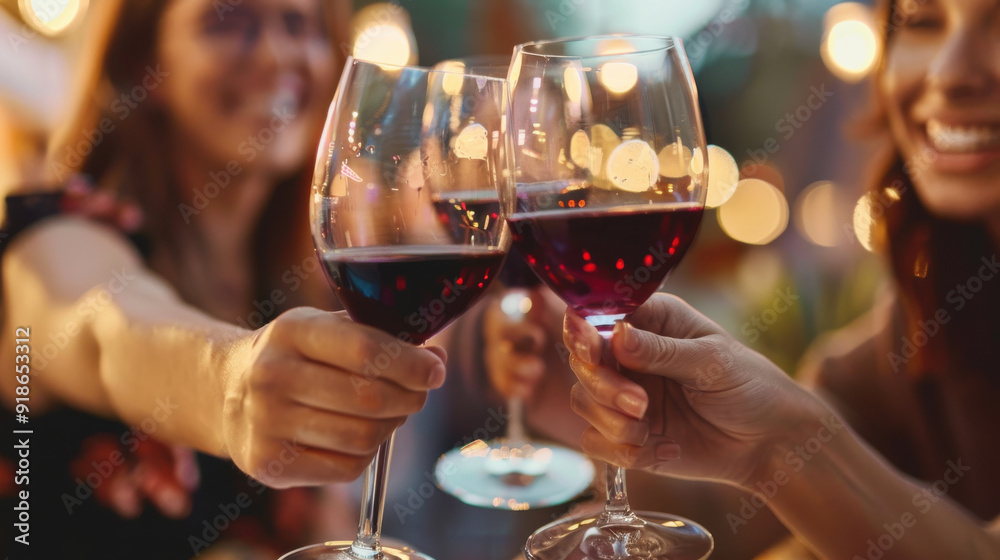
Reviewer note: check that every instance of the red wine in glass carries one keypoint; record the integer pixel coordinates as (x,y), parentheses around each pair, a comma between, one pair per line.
(411,292)
(605,262)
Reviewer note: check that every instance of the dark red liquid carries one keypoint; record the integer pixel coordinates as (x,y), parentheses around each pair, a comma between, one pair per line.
(609,262)
(411,292)
(460,214)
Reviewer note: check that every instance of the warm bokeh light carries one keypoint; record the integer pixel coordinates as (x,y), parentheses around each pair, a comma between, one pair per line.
(515,304)
(618,77)
(382,33)
(391,46)
(864,221)
(615,46)
(452,82)
(579,149)
(817,214)
(674,160)
(52,17)
(603,141)
(850,45)
(723,176)
(633,166)
(472,142)
(756,214)
(573,82)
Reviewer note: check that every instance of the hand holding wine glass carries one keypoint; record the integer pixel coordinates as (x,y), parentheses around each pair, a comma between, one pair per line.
(302,397)
(701,404)
(406,220)
(609,161)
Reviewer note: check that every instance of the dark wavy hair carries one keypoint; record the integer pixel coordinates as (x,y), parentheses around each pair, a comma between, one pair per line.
(930,257)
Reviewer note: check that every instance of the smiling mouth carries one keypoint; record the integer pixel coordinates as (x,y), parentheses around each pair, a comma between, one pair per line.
(962,139)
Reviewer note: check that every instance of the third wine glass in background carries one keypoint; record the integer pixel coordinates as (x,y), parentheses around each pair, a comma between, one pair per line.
(512,472)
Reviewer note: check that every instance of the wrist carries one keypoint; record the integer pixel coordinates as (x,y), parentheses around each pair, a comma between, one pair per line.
(802,435)
(232,360)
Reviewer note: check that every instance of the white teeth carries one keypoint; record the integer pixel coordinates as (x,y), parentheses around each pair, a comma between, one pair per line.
(962,139)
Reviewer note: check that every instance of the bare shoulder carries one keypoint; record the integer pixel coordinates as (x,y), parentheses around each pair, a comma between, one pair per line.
(848,369)
(852,351)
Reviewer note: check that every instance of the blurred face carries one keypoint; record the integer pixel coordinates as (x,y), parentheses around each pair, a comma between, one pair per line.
(942,89)
(248,79)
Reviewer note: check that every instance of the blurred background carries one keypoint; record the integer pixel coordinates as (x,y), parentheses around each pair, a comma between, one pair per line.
(782,258)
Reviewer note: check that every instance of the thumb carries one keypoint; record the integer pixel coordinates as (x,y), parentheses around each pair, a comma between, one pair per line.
(690,362)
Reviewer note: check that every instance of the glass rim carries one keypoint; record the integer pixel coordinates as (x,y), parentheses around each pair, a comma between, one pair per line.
(351,61)
(669,42)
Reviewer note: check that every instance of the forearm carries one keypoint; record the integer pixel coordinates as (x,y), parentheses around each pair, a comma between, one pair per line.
(838,495)
(166,369)
(113,339)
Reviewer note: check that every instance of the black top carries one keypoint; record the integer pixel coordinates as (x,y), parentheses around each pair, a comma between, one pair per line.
(71,458)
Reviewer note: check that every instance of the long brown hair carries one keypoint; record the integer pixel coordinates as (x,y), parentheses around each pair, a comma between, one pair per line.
(930,257)
(130,159)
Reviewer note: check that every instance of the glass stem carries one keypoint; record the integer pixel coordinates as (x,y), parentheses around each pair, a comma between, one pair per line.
(616,508)
(515,421)
(366,545)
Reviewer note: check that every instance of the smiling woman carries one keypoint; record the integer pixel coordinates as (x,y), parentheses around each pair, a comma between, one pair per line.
(175,100)
(917,379)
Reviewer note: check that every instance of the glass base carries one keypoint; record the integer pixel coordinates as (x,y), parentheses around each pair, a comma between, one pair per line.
(341,550)
(645,535)
(499,476)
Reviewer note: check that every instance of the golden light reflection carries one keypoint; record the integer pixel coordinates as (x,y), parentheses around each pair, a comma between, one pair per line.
(723,176)
(618,77)
(697,163)
(633,166)
(614,46)
(472,142)
(52,17)
(674,160)
(817,217)
(382,33)
(579,149)
(390,46)
(573,82)
(515,505)
(478,448)
(515,304)
(543,455)
(850,46)
(603,141)
(756,214)
(864,221)
(452,83)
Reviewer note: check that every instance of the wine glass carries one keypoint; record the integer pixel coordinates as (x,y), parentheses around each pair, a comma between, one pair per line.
(511,472)
(608,153)
(395,137)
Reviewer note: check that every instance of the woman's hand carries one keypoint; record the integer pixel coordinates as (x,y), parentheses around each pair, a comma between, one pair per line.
(693,402)
(319,395)
(521,331)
